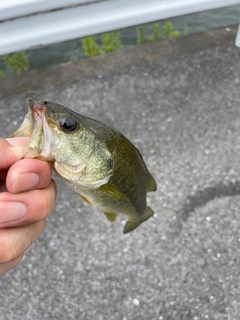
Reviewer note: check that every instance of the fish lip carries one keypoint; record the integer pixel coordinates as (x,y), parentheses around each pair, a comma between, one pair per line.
(36,107)
(40,143)
(36,112)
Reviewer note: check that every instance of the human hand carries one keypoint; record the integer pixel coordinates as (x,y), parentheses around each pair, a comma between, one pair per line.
(27,195)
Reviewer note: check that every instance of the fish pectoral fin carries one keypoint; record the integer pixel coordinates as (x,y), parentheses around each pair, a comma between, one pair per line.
(86,200)
(112,192)
(152,186)
(110,216)
(134,223)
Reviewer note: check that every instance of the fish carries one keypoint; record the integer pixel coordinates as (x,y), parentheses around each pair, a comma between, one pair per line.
(99,163)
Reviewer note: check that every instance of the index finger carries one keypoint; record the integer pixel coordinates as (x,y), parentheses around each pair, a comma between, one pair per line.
(11,150)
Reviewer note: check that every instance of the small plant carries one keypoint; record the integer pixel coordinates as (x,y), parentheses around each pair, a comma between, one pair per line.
(185,29)
(168,31)
(17,62)
(111,42)
(2,73)
(90,47)
(141,34)
(156,33)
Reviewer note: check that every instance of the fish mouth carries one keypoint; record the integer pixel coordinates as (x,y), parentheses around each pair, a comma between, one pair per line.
(39,145)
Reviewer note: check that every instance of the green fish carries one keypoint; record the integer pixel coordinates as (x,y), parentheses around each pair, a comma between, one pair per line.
(102,166)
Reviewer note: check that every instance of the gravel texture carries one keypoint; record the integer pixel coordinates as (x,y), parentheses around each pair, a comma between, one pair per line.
(183,113)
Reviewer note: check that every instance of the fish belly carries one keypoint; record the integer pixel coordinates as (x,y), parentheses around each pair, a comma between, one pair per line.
(111,207)
(108,204)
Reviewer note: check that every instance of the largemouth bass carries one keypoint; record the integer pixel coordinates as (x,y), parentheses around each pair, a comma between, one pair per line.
(102,166)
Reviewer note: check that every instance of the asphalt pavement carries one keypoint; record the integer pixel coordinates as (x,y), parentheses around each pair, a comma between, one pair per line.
(178,102)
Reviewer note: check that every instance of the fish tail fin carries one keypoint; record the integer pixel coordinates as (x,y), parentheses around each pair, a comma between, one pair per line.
(147,214)
(152,185)
(134,223)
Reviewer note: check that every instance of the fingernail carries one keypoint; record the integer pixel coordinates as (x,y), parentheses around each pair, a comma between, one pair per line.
(11,211)
(25,181)
(16,142)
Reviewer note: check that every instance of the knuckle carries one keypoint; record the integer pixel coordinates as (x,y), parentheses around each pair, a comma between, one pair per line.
(45,172)
(48,198)
(41,225)
(40,205)
(38,229)
(17,260)
(8,250)
(45,205)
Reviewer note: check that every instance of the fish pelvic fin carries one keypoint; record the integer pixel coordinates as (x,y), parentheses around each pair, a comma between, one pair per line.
(134,223)
(152,185)
(85,200)
(111,216)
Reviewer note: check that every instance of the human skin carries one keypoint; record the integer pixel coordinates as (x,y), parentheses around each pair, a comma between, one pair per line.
(27,196)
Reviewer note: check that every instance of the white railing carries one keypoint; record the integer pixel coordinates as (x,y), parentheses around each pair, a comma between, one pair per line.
(26,24)
(237,42)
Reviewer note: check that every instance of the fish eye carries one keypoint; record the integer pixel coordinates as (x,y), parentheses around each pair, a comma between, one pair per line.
(67,124)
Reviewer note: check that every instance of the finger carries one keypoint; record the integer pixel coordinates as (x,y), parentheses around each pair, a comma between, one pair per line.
(15,241)
(26,207)
(5,267)
(28,174)
(16,142)
(9,154)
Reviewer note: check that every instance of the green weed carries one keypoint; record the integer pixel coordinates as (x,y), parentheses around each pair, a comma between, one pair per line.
(141,34)
(111,42)
(169,33)
(16,62)
(90,47)
(186,29)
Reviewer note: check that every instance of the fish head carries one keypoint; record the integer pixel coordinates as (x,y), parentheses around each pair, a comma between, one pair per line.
(64,137)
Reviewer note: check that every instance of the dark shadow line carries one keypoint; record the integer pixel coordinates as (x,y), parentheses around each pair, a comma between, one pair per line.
(201,197)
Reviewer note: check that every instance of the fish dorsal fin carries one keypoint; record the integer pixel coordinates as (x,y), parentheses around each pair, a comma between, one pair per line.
(152,186)
(112,191)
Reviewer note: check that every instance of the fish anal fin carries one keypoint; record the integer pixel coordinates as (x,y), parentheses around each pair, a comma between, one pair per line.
(134,223)
(86,200)
(110,216)
(152,185)
(112,191)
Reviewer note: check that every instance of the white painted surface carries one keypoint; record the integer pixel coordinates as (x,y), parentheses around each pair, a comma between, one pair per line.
(84,17)
(10,9)
(237,42)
